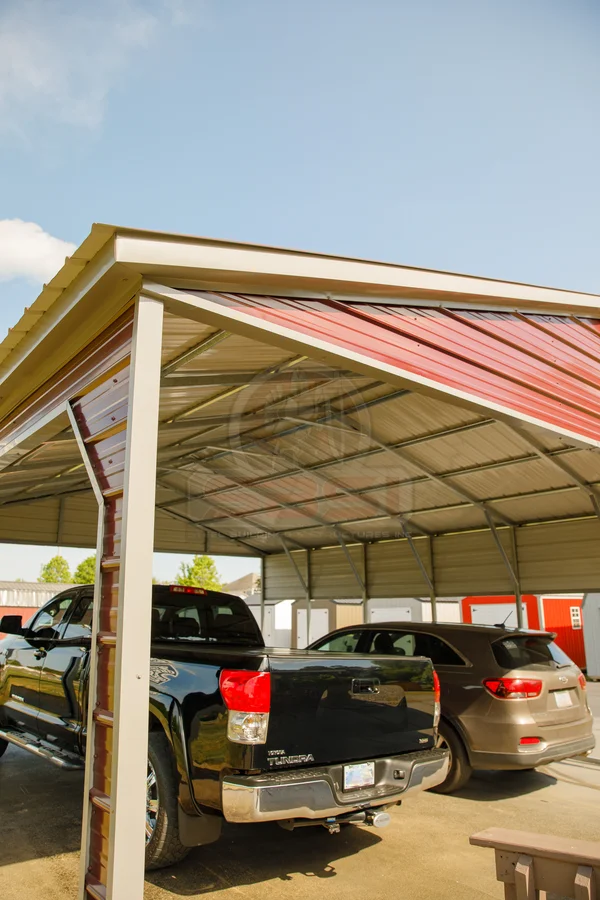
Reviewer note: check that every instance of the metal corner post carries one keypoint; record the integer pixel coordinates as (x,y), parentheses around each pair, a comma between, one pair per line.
(130,735)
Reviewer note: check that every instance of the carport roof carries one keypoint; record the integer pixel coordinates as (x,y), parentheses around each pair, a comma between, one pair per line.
(307,398)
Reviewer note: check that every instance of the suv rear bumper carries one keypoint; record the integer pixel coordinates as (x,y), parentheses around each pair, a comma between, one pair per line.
(530,759)
(318,793)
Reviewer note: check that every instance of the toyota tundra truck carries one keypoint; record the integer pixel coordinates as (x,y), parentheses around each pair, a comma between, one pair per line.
(237,732)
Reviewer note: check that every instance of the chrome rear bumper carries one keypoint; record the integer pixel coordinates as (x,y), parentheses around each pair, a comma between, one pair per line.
(318,793)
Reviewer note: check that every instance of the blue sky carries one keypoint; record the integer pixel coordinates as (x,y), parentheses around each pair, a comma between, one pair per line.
(453,134)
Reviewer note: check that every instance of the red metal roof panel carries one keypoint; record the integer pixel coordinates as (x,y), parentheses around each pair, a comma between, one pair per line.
(544,368)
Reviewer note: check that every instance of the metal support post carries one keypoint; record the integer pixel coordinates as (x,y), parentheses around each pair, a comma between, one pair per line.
(308,594)
(351,562)
(511,567)
(428,579)
(432,589)
(132,675)
(365,595)
(263,591)
(518,592)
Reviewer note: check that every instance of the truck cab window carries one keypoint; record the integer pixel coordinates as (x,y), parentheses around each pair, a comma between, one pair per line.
(50,619)
(80,623)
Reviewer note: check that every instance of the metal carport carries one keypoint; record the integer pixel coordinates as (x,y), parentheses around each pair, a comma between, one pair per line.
(367,429)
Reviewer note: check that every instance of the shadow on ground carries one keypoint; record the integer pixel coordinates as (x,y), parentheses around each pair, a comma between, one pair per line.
(40,816)
(251,854)
(487,786)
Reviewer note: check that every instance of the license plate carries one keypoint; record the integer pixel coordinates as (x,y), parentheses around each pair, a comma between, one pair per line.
(563,699)
(359,775)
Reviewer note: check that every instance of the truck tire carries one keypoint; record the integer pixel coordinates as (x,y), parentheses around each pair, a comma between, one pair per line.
(163,847)
(460,769)
(3,746)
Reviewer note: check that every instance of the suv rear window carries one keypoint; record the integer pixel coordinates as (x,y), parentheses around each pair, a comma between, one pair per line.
(521,651)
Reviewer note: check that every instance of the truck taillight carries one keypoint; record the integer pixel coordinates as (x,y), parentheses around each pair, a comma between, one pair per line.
(247,696)
(513,688)
(437,696)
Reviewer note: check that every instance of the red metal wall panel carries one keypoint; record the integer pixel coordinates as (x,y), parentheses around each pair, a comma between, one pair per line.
(557,614)
(96,384)
(101,410)
(541,366)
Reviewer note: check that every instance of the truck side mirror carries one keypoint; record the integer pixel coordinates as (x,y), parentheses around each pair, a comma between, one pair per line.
(11,625)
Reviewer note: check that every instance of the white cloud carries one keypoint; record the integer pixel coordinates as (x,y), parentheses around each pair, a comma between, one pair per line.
(27,251)
(59,59)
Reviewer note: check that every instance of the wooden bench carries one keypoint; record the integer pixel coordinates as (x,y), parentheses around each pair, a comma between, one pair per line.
(541,867)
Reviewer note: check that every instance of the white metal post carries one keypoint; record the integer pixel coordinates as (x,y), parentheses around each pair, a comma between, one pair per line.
(132,684)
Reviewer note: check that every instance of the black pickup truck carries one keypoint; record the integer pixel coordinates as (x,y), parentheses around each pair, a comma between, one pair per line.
(237,732)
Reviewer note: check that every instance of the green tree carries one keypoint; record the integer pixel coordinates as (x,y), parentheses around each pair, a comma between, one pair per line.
(201,572)
(56,571)
(85,573)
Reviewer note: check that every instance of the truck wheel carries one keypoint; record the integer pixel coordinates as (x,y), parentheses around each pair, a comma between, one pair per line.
(163,847)
(460,770)
(3,746)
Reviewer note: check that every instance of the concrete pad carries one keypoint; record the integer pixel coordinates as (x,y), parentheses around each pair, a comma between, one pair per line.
(423,855)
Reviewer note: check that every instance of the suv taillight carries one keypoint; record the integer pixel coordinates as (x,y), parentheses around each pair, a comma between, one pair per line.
(582,681)
(513,688)
(247,696)
(437,695)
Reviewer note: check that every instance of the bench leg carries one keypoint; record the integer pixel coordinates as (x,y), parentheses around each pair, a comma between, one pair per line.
(585,886)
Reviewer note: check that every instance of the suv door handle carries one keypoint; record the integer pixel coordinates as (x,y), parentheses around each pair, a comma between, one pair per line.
(40,654)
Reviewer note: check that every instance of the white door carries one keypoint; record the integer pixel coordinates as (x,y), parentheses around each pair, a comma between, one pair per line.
(391,614)
(319,626)
(497,614)
(267,630)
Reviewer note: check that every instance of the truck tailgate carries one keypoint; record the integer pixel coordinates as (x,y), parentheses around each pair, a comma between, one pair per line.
(331,708)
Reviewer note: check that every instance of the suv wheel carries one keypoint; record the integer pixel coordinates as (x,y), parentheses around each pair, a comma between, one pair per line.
(460,769)
(3,746)
(163,847)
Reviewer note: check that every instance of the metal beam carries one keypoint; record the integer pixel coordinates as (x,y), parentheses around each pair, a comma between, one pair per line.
(263,493)
(339,486)
(207,530)
(351,563)
(350,424)
(367,454)
(292,397)
(213,379)
(512,570)
(222,395)
(295,566)
(238,517)
(559,464)
(192,352)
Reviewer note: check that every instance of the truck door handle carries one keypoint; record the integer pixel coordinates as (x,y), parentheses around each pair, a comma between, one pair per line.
(365,686)
(40,654)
